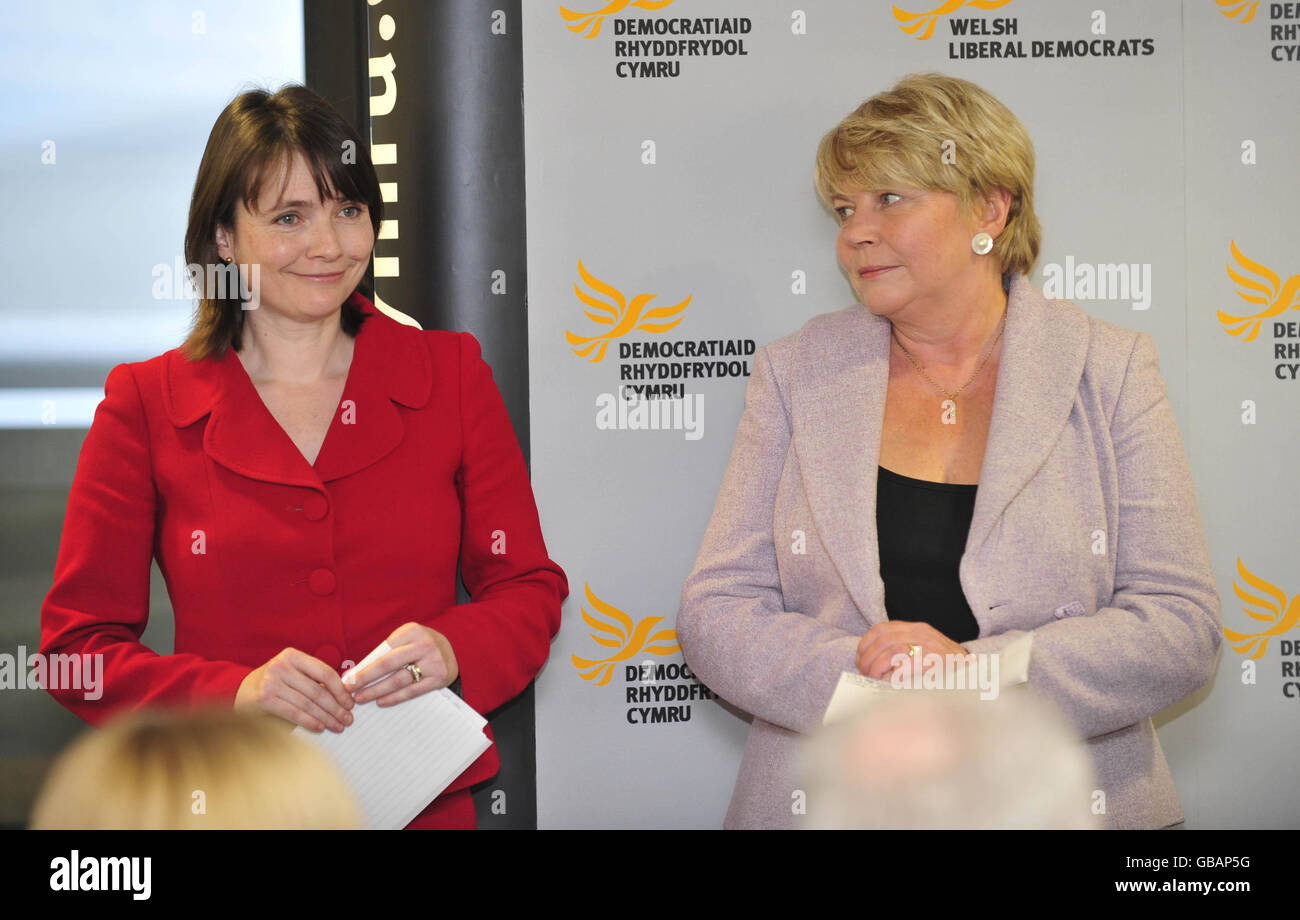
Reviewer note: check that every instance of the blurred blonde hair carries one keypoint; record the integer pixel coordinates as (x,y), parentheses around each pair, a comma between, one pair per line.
(937,132)
(209,769)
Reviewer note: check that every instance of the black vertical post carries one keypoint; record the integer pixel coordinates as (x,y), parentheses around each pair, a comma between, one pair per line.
(335,45)
(455,84)
(335,52)
(447,95)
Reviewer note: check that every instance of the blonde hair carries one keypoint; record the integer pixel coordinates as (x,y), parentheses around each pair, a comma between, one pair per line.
(209,769)
(933,131)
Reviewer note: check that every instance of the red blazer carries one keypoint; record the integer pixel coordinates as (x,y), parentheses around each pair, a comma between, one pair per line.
(420,470)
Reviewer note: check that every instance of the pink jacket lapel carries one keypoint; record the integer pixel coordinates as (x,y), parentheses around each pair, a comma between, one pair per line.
(837,400)
(1038,382)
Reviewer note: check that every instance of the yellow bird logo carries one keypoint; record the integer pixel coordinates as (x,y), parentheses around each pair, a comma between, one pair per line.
(616,630)
(911,23)
(622,317)
(1268,609)
(591,22)
(1236,8)
(1265,288)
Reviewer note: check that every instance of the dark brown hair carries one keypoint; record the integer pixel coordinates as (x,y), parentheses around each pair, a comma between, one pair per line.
(256,136)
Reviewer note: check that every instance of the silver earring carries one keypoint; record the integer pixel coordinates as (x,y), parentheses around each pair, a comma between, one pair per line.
(981,243)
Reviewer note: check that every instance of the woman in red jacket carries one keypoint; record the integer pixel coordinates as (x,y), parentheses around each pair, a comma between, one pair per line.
(307,471)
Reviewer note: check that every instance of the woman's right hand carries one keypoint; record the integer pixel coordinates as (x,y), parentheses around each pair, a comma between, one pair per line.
(295,686)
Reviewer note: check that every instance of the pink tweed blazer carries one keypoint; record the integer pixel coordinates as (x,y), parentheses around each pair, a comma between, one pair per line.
(1082,440)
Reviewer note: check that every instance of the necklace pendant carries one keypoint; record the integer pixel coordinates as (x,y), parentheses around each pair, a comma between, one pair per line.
(949,416)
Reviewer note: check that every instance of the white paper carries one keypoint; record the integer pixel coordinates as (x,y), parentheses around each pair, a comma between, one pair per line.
(855,692)
(1014,663)
(852,694)
(399,758)
(383,648)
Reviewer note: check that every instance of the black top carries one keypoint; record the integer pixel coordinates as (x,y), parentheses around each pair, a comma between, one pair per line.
(922,527)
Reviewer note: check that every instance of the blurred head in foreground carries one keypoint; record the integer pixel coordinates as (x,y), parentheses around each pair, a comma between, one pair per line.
(202,770)
(946,759)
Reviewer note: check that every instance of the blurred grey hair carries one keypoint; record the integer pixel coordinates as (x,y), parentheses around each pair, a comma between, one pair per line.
(946,759)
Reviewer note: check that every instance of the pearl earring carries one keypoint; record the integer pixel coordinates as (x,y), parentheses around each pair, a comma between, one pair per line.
(981,243)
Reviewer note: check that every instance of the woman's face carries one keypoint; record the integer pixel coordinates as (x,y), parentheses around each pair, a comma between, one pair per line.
(905,248)
(311,253)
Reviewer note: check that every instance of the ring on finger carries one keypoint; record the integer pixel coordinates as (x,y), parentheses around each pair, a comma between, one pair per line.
(416,673)
(913,649)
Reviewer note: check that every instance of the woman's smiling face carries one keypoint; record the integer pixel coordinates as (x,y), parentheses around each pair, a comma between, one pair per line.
(311,253)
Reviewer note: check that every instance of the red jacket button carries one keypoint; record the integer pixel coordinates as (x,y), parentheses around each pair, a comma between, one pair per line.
(314,507)
(321,582)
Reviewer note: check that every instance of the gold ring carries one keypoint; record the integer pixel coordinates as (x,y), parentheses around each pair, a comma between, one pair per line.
(912,649)
(415,672)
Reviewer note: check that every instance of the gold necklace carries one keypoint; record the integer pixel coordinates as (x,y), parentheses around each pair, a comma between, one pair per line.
(953,396)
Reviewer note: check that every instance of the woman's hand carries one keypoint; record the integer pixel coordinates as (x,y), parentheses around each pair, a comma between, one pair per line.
(412,643)
(882,642)
(295,686)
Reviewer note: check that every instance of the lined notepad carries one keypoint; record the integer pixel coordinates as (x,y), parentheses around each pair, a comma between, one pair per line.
(399,758)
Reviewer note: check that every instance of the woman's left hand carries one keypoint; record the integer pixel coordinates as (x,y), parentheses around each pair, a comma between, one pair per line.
(412,643)
(882,642)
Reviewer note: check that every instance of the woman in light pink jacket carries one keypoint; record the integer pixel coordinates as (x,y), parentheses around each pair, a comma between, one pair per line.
(951,465)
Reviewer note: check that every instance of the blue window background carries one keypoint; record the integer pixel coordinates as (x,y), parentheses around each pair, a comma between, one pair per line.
(105,108)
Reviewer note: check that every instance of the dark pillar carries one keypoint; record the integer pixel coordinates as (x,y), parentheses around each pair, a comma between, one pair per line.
(448,93)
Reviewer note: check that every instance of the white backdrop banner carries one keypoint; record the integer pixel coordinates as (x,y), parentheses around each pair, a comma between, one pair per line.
(673,227)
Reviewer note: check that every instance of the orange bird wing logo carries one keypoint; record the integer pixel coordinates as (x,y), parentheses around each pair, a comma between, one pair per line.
(612,309)
(1268,606)
(1241,10)
(912,23)
(590,23)
(1265,289)
(615,630)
